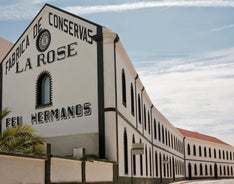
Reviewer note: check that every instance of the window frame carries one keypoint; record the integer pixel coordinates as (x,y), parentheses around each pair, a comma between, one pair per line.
(41,90)
(132,100)
(124,92)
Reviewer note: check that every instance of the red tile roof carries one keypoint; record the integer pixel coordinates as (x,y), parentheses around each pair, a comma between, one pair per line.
(5,46)
(203,137)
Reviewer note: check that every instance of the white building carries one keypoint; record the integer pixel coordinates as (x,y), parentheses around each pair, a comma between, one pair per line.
(207,156)
(72,80)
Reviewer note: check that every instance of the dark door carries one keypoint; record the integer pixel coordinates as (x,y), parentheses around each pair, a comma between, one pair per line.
(173,166)
(160,167)
(189,171)
(215,171)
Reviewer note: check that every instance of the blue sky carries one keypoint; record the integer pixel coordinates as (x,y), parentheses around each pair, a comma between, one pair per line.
(182,50)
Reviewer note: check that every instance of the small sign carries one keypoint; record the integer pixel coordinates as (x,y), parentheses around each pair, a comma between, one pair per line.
(137,148)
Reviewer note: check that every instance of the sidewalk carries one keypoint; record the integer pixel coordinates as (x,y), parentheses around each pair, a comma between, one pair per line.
(186,181)
(218,181)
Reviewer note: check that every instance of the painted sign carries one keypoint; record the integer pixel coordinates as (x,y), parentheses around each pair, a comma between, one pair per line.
(61,45)
(137,148)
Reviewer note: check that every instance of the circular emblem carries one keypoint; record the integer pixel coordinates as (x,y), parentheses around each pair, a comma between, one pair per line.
(43,40)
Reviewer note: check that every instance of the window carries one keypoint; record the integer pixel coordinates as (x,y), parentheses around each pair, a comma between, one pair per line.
(134,157)
(146,160)
(124,96)
(139,108)
(145,118)
(172,145)
(155,129)
(194,150)
(200,151)
(149,122)
(132,100)
(141,163)
(166,135)
(164,167)
(201,170)
(125,152)
(188,149)
(156,164)
(195,169)
(175,143)
(209,152)
(169,142)
(160,165)
(150,161)
(159,132)
(211,171)
(162,134)
(214,153)
(204,151)
(43,91)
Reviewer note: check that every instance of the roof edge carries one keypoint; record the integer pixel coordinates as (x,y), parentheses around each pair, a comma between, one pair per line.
(204,137)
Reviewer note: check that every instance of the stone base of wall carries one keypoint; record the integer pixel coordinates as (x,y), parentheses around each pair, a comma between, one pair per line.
(134,180)
(209,178)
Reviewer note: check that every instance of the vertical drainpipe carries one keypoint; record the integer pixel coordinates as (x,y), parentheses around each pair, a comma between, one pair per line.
(136,103)
(142,110)
(116,108)
(184,157)
(152,150)
(100,85)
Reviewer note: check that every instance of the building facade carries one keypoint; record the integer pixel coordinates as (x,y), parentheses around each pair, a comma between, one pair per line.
(207,156)
(72,80)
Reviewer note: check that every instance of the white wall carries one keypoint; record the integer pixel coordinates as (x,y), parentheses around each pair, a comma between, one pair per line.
(69,76)
(21,170)
(65,170)
(99,171)
(130,123)
(25,170)
(89,141)
(209,160)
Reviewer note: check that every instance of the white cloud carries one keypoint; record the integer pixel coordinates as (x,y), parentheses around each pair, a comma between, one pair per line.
(27,9)
(148,4)
(222,28)
(217,29)
(196,93)
(19,11)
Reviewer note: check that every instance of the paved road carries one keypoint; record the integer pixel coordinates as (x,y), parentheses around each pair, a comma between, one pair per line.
(223,181)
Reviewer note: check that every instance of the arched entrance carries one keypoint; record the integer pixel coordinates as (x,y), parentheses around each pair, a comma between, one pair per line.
(215,171)
(173,166)
(189,171)
(160,167)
